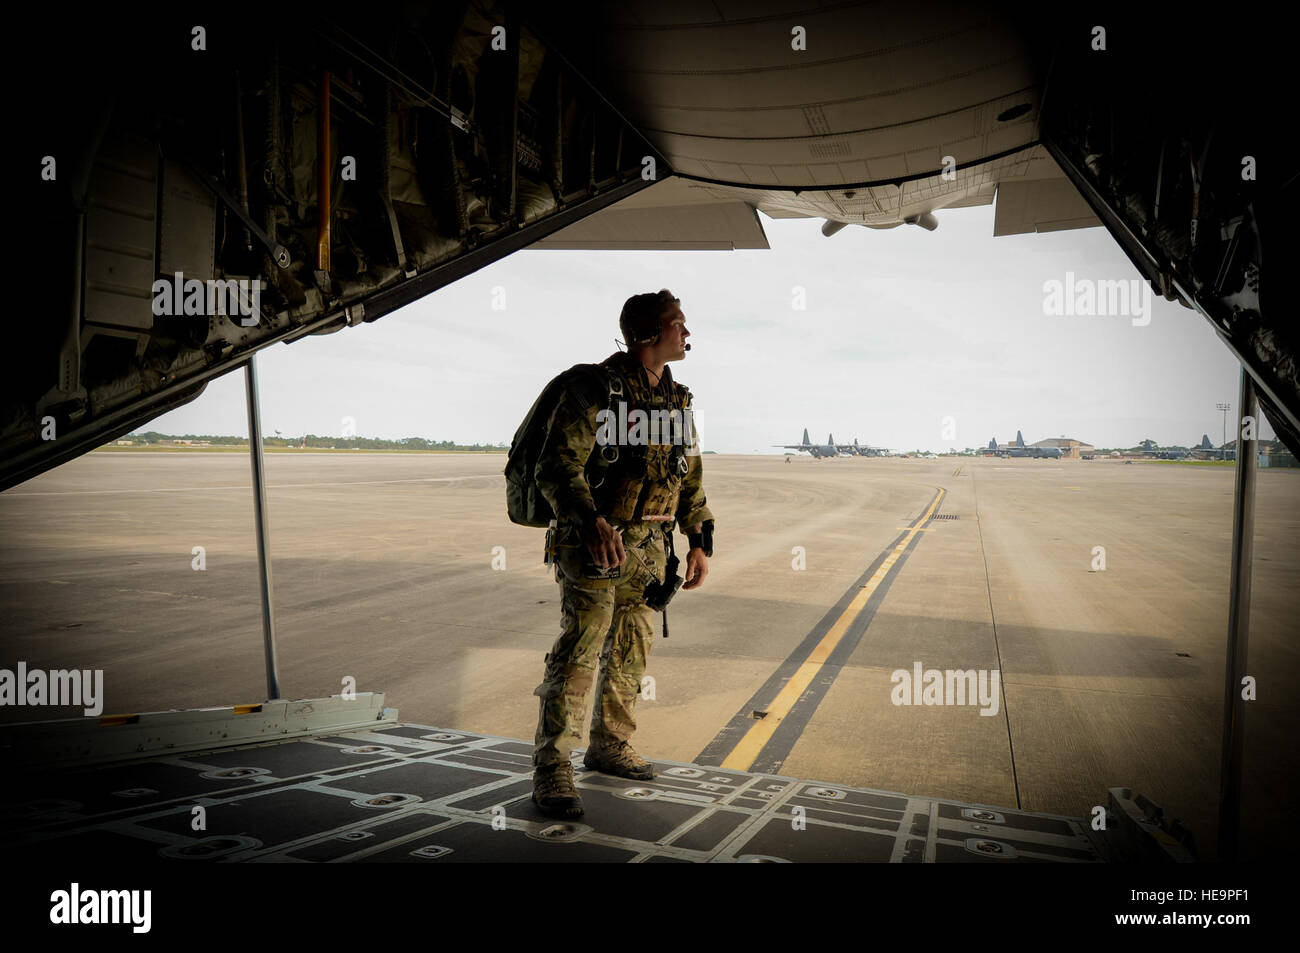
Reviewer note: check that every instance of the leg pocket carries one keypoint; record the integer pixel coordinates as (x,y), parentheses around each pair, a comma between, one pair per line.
(651,563)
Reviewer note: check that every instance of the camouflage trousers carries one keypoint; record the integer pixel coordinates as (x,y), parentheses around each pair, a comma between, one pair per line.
(606,632)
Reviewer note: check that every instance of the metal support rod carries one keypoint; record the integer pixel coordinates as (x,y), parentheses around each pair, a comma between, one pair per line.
(69,358)
(1234,707)
(241,166)
(591,157)
(325,174)
(386,182)
(279,254)
(510,179)
(559,135)
(263,527)
(70,351)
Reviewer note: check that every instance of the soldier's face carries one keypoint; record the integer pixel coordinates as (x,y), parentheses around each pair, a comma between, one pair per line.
(672,334)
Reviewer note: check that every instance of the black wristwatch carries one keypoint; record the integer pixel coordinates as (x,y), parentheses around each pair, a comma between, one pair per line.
(703,539)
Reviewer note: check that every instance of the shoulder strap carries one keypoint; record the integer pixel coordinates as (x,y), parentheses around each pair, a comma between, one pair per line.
(590,384)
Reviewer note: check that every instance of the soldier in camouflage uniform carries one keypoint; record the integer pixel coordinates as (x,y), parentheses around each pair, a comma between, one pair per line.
(620,524)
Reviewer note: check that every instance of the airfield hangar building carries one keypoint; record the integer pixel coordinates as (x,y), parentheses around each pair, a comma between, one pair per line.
(1069,446)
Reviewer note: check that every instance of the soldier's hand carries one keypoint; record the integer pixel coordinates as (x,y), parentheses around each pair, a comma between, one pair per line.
(605,544)
(697,567)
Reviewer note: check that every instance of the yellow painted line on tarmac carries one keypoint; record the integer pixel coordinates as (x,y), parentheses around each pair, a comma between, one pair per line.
(749,747)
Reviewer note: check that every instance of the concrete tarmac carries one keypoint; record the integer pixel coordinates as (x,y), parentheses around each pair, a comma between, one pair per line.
(383,573)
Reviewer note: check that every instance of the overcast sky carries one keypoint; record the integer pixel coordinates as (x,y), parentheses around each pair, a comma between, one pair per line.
(901,329)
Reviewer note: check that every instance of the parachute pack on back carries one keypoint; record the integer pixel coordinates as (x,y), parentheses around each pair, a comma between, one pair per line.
(589,384)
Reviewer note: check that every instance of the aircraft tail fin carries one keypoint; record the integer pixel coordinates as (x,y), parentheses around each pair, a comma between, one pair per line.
(1020,440)
(805,436)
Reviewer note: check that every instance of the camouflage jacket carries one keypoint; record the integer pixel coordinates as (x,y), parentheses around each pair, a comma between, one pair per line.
(645,480)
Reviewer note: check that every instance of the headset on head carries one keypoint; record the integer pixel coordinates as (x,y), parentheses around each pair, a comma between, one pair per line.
(642,332)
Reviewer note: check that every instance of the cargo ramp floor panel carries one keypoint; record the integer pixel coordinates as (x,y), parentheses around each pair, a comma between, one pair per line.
(418,794)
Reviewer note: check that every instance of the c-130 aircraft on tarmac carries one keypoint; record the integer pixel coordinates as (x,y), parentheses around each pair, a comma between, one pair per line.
(827,449)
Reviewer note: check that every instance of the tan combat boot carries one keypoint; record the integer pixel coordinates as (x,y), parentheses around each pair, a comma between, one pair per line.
(621,760)
(554,792)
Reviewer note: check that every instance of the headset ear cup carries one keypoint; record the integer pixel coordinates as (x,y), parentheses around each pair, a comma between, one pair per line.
(650,334)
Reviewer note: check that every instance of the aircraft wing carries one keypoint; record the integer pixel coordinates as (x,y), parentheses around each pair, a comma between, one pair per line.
(862,133)
(1029,191)
(674,214)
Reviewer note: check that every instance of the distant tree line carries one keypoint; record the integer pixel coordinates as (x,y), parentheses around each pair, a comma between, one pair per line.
(311,441)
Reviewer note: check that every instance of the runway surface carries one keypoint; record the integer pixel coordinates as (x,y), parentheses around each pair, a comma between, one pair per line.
(383,572)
